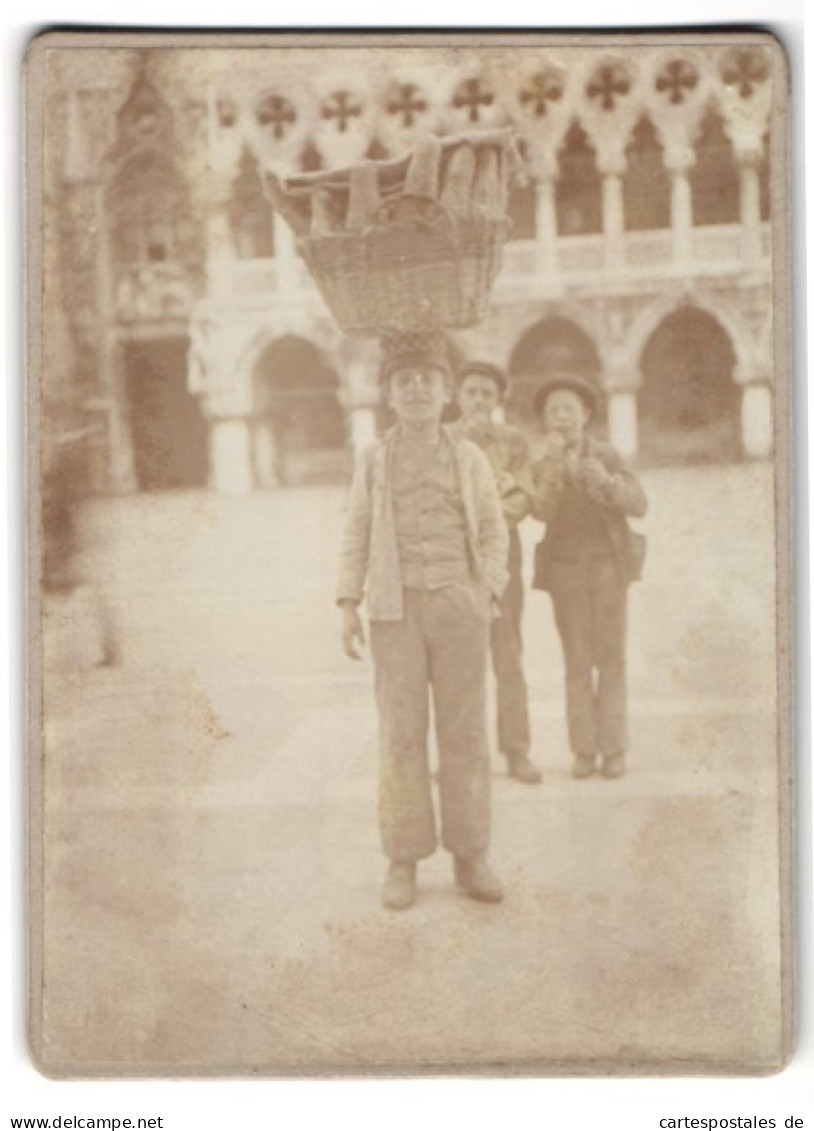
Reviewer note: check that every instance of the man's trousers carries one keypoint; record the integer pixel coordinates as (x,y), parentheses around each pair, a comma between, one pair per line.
(513,735)
(590,610)
(439,647)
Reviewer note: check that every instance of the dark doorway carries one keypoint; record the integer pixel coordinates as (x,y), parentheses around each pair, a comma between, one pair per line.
(168,428)
(689,405)
(299,424)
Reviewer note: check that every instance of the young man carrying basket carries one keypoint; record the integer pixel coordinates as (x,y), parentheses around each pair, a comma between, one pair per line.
(425,534)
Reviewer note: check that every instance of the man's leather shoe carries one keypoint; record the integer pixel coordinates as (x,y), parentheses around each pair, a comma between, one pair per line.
(522,769)
(613,766)
(399,891)
(477,879)
(584,766)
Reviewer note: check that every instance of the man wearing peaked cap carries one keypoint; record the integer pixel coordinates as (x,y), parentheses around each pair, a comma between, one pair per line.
(585,494)
(430,349)
(481,386)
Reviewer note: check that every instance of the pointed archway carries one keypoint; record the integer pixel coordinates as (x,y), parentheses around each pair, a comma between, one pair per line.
(646,181)
(552,345)
(299,425)
(714,177)
(689,403)
(579,186)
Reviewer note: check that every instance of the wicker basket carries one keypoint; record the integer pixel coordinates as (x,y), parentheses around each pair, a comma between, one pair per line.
(415,276)
(408,245)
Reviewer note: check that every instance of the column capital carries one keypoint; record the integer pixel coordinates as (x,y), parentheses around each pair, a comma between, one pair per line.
(678,159)
(749,157)
(612,167)
(542,163)
(758,373)
(621,378)
(611,159)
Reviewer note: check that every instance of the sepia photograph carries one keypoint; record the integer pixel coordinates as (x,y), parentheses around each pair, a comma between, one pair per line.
(408,554)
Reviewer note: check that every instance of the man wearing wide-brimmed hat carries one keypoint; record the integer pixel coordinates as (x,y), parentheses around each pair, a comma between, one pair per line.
(425,537)
(481,388)
(585,494)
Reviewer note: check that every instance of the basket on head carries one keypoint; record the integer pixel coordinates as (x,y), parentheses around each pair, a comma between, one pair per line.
(413,244)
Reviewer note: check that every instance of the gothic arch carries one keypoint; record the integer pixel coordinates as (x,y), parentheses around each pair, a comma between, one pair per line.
(653,315)
(688,400)
(553,342)
(571,313)
(290,323)
(298,421)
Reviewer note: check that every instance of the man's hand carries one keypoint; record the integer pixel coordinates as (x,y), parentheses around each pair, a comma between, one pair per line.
(555,444)
(353,632)
(593,473)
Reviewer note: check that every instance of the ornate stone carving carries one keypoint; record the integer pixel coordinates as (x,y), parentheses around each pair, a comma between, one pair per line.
(744,69)
(153,293)
(406,103)
(275,115)
(144,119)
(341,108)
(676,81)
(227,111)
(472,96)
(609,85)
(541,89)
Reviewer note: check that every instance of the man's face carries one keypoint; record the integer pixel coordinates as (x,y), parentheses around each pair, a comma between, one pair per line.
(417,393)
(478,397)
(565,412)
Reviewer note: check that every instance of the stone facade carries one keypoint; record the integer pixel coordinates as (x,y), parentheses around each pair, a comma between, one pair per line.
(641,245)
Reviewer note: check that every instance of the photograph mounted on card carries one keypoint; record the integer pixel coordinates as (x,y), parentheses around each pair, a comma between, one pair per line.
(363,372)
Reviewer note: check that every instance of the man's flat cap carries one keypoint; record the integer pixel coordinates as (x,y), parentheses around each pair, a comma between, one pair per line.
(483,369)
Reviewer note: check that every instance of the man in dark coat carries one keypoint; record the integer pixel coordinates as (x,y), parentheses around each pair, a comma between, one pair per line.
(481,389)
(584,494)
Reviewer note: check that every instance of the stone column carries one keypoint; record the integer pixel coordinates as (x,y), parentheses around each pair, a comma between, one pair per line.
(285,249)
(230,464)
(123,478)
(264,450)
(623,422)
(360,391)
(613,217)
(220,254)
(546,222)
(678,165)
(544,170)
(750,207)
(122,470)
(362,429)
(757,420)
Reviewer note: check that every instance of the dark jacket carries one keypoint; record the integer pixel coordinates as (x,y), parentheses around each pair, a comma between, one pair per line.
(621,497)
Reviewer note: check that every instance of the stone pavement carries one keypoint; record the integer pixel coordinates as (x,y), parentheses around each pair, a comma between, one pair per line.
(212,859)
